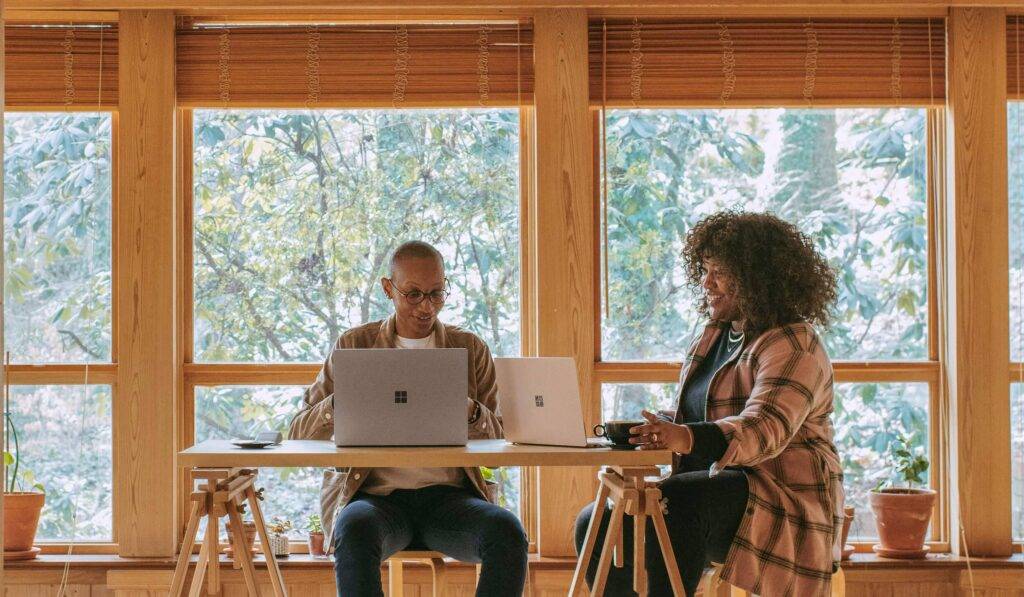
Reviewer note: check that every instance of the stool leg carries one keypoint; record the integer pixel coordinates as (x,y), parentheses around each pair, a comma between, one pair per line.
(839,583)
(614,530)
(439,573)
(395,587)
(587,551)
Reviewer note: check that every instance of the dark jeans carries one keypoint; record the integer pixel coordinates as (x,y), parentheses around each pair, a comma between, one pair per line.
(703,515)
(450,520)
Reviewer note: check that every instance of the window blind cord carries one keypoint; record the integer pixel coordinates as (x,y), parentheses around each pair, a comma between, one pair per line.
(62,589)
(604,163)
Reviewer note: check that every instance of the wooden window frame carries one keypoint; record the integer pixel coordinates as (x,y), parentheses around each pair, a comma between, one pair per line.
(929,370)
(74,374)
(301,374)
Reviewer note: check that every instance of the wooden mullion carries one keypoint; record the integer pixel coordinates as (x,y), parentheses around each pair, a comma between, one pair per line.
(978,292)
(250,374)
(37,375)
(148,369)
(845,371)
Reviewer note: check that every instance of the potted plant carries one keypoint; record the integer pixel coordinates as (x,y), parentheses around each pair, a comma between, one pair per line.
(278,539)
(21,507)
(903,513)
(316,536)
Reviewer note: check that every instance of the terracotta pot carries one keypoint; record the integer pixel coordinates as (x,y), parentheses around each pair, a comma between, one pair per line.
(250,535)
(902,516)
(21,519)
(849,512)
(316,544)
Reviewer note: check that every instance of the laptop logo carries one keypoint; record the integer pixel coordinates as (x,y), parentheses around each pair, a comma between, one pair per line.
(538,400)
(401,397)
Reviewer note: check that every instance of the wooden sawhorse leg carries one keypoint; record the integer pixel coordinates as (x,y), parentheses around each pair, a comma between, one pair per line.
(631,494)
(224,494)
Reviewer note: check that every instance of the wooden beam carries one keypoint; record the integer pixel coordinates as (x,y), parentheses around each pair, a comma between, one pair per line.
(390,7)
(977,261)
(148,367)
(564,266)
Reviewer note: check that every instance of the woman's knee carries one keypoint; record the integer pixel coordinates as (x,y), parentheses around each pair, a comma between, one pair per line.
(582,523)
(504,528)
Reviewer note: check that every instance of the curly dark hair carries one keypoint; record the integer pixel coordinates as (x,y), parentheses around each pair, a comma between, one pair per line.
(780,276)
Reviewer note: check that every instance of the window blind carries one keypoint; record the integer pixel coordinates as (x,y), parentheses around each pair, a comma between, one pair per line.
(1015,57)
(390,65)
(767,62)
(54,67)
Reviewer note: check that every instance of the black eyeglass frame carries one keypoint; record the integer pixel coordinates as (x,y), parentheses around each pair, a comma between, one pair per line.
(437,297)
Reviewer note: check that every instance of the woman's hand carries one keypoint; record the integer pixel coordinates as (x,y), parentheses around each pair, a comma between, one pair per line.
(659,434)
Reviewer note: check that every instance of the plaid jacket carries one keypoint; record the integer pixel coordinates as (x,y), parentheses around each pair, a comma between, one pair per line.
(773,401)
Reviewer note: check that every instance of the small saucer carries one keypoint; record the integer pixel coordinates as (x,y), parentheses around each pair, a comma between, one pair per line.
(901,554)
(17,556)
(250,444)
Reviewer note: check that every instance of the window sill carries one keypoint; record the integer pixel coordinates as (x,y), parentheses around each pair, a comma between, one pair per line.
(859,561)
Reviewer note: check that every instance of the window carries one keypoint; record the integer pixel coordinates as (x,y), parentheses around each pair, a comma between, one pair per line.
(57,192)
(853,179)
(1015,142)
(294,216)
(297,212)
(58,305)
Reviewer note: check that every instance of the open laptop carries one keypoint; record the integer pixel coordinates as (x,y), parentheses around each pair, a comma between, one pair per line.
(392,397)
(540,402)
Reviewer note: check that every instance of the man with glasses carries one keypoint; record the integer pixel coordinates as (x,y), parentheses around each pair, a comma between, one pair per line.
(377,512)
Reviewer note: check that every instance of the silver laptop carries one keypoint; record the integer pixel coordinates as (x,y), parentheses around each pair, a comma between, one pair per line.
(540,402)
(394,397)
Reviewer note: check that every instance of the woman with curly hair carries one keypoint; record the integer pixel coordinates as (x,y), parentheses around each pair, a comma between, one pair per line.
(756,482)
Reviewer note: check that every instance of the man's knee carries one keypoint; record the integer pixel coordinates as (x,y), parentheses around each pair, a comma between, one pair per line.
(357,527)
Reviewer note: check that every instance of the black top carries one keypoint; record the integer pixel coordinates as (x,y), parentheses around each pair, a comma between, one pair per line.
(709,442)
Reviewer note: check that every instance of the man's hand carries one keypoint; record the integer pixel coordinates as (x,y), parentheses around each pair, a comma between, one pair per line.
(659,434)
(470,408)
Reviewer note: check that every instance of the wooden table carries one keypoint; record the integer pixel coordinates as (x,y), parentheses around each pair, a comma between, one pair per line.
(228,473)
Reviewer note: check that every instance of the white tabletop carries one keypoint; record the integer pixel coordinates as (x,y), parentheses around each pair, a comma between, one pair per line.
(491,453)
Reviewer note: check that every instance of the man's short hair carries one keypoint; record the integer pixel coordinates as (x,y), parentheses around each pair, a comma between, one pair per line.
(415,249)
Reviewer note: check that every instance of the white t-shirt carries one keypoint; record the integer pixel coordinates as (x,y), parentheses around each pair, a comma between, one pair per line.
(382,481)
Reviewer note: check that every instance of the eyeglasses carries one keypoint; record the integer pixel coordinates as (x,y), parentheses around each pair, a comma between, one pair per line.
(415,297)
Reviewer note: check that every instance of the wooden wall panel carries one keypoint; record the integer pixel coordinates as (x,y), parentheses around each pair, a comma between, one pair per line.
(564,264)
(978,280)
(148,367)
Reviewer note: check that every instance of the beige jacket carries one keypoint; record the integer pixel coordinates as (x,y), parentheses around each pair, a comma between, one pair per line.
(315,420)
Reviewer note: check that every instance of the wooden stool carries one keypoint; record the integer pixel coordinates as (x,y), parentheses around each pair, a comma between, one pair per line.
(435,560)
(714,586)
(631,493)
(222,494)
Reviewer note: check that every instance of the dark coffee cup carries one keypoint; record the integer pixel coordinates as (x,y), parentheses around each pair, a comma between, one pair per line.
(617,431)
